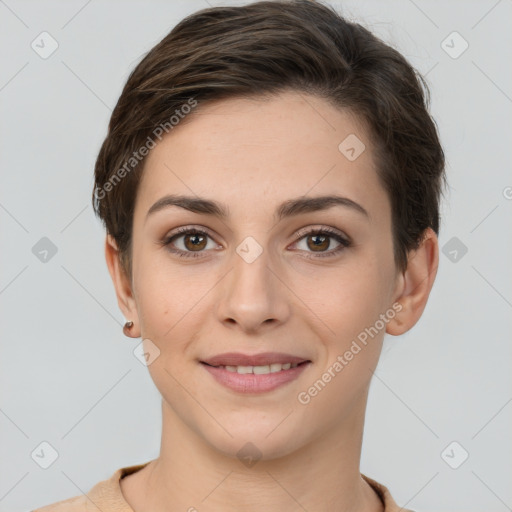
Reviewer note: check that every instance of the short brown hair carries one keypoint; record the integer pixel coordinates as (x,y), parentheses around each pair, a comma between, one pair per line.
(262,49)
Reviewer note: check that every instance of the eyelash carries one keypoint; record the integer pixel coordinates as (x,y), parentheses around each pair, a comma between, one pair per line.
(344,242)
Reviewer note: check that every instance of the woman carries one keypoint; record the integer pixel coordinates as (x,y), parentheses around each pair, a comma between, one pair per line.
(270,187)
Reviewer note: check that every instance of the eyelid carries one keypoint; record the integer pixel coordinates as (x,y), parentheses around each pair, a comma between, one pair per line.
(299,234)
(341,238)
(324,229)
(339,235)
(186,229)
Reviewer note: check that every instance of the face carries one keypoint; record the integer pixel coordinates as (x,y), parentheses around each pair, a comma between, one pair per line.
(306,283)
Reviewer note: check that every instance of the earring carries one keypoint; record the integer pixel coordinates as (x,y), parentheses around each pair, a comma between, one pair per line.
(127,327)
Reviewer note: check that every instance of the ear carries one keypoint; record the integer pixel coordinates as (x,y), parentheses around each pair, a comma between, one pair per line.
(122,285)
(414,284)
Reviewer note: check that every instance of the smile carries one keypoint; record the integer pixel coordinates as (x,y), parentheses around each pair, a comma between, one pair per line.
(256,379)
(260,370)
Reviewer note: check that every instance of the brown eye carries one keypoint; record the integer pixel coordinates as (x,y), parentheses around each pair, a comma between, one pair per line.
(320,242)
(194,241)
(189,242)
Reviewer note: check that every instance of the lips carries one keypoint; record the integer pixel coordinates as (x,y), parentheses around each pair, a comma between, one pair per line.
(262,359)
(255,373)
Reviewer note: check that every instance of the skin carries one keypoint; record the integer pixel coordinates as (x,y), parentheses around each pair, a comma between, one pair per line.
(252,155)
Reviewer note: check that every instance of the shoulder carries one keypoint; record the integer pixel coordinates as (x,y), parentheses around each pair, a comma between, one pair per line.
(76,504)
(384,494)
(106,496)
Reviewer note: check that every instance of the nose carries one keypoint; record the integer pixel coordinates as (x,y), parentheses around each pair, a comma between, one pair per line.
(254,295)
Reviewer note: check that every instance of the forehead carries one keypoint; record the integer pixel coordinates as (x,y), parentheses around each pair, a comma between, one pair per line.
(248,153)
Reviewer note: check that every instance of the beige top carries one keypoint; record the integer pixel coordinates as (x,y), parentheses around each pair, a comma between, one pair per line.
(107,496)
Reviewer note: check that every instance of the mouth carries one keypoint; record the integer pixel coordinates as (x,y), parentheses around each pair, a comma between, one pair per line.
(257,373)
(257,370)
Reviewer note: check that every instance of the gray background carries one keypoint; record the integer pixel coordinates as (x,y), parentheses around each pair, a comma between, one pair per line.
(69,376)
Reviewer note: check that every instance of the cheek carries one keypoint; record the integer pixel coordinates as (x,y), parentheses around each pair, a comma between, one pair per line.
(349,299)
(174,305)
(167,295)
(349,303)
(351,349)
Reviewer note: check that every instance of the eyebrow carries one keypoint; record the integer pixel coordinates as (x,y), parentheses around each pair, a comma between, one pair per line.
(289,208)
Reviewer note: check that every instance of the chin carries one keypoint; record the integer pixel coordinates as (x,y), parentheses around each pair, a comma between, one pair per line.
(254,441)
(250,450)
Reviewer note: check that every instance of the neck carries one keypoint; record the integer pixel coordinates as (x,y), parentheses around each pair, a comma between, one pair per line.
(191,475)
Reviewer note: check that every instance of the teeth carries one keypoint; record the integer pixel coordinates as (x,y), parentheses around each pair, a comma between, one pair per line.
(260,370)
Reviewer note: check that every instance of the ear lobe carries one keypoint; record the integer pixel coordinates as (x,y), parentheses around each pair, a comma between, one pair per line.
(122,285)
(415,284)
